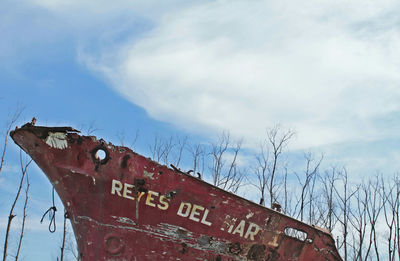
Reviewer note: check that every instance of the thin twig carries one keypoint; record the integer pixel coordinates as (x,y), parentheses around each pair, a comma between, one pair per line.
(24,216)
(11,215)
(64,236)
(9,124)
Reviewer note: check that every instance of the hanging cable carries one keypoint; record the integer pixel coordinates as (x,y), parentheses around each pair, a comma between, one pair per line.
(52,215)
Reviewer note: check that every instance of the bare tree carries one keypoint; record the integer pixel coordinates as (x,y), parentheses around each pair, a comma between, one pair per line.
(226,174)
(267,161)
(167,146)
(307,191)
(262,172)
(157,149)
(71,247)
(218,151)
(68,249)
(9,125)
(168,150)
(24,213)
(180,145)
(343,217)
(288,195)
(234,175)
(367,203)
(197,152)
(374,207)
(278,140)
(161,149)
(121,138)
(359,222)
(62,249)
(328,181)
(391,204)
(89,128)
(11,216)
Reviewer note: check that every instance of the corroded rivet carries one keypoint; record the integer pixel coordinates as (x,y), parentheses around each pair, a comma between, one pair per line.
(113,244)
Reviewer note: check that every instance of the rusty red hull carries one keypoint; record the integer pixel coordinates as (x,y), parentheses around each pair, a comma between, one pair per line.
(126,207)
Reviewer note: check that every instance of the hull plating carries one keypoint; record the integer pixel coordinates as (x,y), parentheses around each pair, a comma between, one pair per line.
(124,206)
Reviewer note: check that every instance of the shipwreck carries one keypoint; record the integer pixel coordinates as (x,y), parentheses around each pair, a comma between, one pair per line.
(124,206)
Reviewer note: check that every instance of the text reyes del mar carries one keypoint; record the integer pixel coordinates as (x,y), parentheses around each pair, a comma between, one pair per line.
(193,212)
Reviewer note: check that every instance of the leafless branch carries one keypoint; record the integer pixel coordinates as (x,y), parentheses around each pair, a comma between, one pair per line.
(24,216)
(278,140)
(24,168)
(197,152)
(62,249)
(9,125)
(225,172)
(121,138)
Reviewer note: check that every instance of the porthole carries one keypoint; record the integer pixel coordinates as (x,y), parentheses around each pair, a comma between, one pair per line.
(100,155)
(295,233)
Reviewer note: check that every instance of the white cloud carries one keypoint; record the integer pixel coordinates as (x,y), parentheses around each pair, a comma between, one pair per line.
(328,69)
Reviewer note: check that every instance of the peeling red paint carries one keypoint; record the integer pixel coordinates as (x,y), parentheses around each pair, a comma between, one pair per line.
(124,206)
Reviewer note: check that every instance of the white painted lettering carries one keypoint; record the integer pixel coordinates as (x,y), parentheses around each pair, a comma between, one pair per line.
(228,223)
(127,190)
(233,221)
(163,203)
(184,205)
(127,193)
(140,195)
(239,229)
(116,187)
(204,219)
(194,214)
(274,241)
(252,230)
(149,199)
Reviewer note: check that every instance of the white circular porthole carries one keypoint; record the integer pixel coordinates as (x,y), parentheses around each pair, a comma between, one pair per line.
(100,154)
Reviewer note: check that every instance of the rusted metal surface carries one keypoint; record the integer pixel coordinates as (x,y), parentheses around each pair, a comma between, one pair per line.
(124,206)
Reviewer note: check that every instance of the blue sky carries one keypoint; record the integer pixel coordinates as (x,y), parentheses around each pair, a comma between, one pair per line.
(328,70)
